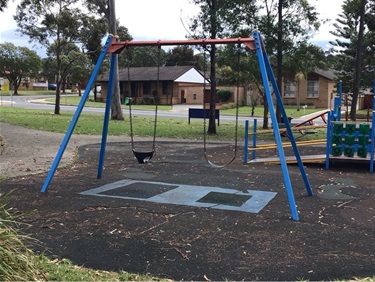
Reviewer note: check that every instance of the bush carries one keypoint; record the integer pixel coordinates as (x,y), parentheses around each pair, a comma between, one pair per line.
(224,95)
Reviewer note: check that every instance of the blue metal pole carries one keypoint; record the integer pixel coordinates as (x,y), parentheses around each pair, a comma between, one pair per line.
(288,128)
(372,134)
(288,186)
(107,112)
(76,115)
(289,131)
(246,142)
(254,153)
(329,138)
(336,109)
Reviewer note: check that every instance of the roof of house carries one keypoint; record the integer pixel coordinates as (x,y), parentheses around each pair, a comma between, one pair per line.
(329,74)
(167,73)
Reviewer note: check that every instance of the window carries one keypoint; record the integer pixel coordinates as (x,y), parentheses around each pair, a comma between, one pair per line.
(289,90)
(167,87)
(313,89)
(146,88)
(194,96)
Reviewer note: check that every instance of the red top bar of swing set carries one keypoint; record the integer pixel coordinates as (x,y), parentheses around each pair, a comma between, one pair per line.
(117,47)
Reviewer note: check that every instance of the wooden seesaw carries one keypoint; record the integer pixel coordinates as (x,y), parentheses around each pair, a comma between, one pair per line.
(291,159)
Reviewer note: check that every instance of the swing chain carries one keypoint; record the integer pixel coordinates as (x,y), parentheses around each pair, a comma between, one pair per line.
(237,111)
(143,157)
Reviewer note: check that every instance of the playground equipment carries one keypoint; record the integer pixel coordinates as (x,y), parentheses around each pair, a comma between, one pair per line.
(345,141)
(254,43)
(349,141)
(144,156)
(300,128)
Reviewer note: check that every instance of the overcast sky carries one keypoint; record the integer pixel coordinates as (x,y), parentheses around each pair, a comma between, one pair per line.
(150,19)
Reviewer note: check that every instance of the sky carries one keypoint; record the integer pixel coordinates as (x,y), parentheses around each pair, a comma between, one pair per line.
(162,19)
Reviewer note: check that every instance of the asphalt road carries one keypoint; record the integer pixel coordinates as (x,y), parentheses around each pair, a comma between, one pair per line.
(36,102)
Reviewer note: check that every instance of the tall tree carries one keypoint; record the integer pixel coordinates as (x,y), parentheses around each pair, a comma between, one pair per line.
(217,19)
(300,60)
(18,63)
(75,65)
(3,4)
(143,57)
(358,60)
(108,9)
(367,77)
(181,56)
(353,28)
(284,24)
(51,22)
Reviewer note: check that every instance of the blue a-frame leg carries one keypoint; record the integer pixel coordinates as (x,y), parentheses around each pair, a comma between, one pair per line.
(267,77)
(107,112)
(76,115)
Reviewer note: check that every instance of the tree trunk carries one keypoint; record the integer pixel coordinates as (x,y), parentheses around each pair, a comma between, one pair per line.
(358,62)
(116,111)
(279,56)
(15,85)
(211,121)
(57,100)
(58,83)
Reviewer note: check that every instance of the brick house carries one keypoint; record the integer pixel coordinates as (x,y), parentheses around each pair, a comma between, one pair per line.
(177,84)
(316,89)
(27,83)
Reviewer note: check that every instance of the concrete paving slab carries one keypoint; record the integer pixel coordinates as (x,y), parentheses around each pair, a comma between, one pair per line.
(191,195)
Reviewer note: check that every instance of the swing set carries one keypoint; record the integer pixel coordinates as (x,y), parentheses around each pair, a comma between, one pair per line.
(255,43)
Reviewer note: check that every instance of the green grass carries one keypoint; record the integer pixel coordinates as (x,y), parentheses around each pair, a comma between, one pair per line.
(65,270)
(92,124)
(73,101)
(290,111)
(243,111)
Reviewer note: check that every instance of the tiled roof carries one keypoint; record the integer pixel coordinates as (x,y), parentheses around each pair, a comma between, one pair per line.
(169,73)
(330,74)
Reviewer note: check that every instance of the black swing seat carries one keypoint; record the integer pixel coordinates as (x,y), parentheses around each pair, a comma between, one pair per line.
(143,157)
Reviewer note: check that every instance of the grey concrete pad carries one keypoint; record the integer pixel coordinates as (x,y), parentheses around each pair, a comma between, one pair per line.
(180,194)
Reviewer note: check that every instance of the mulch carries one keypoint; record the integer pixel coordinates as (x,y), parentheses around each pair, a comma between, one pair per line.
(334,238)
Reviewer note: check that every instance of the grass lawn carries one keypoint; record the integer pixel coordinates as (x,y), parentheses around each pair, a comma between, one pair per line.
(291,111)
(91,124)
(242,111)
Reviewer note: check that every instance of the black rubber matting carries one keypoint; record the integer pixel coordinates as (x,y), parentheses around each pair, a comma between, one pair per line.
(139,190)
(224,199)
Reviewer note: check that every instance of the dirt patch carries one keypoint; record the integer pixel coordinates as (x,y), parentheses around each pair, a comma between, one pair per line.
(26,151)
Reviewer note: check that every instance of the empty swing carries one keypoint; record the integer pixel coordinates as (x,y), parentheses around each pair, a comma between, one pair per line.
(143,156)
(236,122)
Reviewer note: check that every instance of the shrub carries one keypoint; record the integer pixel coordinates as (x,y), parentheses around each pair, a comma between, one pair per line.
(224,95)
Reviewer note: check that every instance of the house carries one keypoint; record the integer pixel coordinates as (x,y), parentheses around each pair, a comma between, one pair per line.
(177,84)
(316,89)
(27,83)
